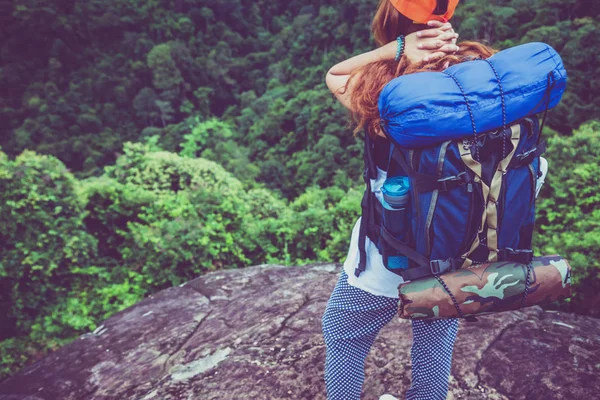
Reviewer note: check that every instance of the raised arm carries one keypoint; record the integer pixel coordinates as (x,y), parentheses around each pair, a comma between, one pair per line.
(420,46)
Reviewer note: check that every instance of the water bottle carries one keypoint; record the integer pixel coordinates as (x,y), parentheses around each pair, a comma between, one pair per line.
(396,216)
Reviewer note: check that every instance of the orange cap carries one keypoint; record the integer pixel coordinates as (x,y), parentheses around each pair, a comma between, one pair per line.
(421,11)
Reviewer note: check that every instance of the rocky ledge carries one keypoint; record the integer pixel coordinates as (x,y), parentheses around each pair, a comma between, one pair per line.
(255,333)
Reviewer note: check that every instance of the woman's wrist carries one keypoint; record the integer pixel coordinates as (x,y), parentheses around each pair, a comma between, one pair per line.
(400,43)
(387,51)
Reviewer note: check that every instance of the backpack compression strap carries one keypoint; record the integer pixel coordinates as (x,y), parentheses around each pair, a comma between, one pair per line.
(425,267)
(490,194)
(520,160)
(423,183)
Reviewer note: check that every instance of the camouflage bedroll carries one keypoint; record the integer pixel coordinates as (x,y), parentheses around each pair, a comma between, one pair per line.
(486,288)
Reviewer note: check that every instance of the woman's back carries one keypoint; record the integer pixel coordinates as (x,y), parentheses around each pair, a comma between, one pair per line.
(359,307)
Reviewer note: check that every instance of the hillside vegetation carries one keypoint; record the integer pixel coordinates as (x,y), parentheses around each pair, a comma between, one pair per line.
(144,143)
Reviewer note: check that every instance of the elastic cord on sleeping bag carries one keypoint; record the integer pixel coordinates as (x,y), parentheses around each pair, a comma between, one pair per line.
(468,108)
(549,87)
(501,92)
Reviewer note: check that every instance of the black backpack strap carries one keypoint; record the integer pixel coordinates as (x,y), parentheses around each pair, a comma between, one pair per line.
(523,256)
(367,204)
(424,267)
(362,235)
(435,267)
(403,248)
(551,82)
(442,184)
(423,183)
(370,165)
(520,160)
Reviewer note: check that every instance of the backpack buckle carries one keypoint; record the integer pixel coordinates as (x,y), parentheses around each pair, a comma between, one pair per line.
(440,266)
(523,156)
(434,266)
(522,256)
(451,182)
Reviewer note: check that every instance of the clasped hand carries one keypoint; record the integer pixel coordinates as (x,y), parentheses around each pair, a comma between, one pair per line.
(426,45)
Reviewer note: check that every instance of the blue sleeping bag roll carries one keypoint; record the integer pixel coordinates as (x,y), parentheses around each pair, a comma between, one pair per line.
(427,108)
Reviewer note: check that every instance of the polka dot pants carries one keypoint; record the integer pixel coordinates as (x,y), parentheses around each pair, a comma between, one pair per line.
(352,320)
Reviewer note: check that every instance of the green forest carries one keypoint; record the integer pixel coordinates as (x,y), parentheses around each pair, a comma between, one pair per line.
(146,142)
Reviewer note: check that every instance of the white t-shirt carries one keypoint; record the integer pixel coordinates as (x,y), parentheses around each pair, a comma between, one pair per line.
(375,279)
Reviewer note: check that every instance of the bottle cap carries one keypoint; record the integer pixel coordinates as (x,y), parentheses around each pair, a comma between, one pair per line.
(396,190)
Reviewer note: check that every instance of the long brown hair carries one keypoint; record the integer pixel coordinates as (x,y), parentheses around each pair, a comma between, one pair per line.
(387,25)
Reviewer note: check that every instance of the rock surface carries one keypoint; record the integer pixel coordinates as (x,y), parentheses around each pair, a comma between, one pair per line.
(255,334)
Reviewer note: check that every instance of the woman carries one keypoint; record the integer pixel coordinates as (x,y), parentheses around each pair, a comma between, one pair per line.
(360,306)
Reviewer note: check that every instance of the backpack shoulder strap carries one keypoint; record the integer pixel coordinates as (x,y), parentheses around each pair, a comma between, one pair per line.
(367,206)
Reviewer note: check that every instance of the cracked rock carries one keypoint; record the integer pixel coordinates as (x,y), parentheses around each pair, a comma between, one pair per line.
(255,333)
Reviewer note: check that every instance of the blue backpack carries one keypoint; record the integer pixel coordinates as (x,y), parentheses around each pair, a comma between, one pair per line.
(469,141)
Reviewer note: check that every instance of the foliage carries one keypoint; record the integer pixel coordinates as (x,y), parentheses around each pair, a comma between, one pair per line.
(323,220)
(45,251)
(163,171)
(569,214)
(75,252)
(104,72)
(215,140)
(315,226)
(44,242)
(201,135)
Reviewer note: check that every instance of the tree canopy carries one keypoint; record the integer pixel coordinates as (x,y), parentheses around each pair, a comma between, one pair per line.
(146,142)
